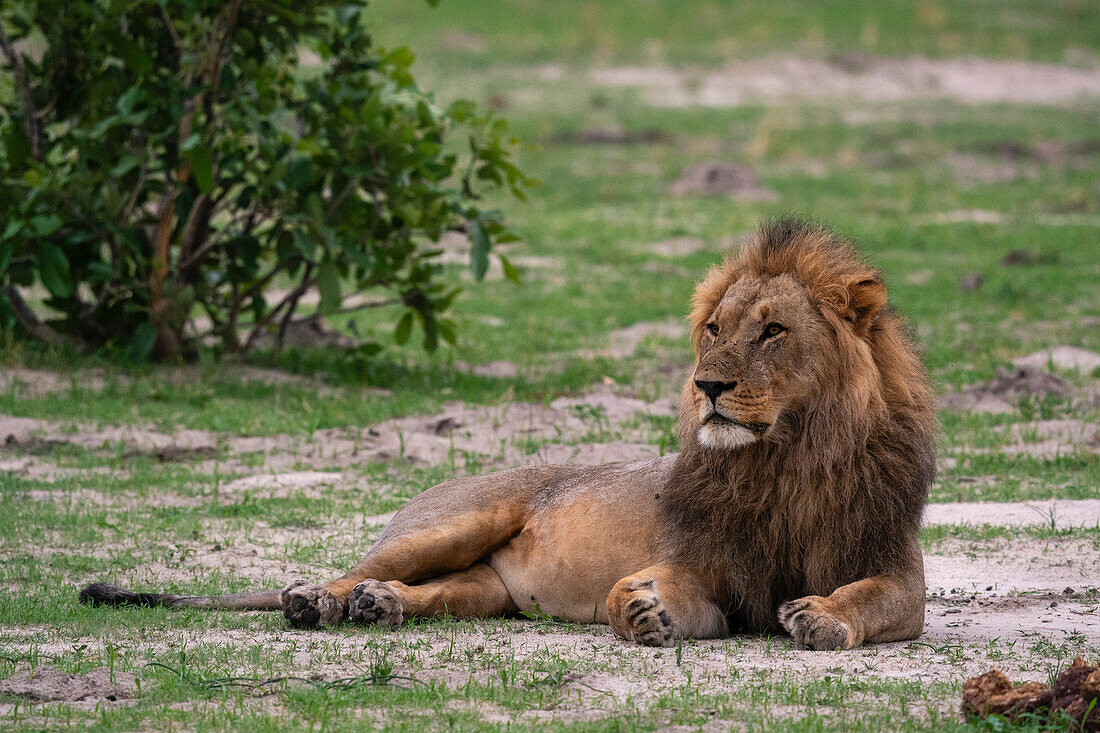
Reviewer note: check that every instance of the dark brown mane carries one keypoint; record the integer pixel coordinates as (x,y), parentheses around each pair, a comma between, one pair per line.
(837,494)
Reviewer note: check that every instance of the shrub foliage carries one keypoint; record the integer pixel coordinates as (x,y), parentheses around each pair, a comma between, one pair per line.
(166,163)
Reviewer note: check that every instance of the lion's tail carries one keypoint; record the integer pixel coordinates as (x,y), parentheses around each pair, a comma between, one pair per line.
(102,594)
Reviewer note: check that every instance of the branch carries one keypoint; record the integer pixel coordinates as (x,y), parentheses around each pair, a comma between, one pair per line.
(34,326)
(292,296)
(32,122)
(167,343)
(364,305)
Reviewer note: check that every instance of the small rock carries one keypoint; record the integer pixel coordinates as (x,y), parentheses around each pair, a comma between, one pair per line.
(1020,257)
(718,179)
(446,426)
(970,282)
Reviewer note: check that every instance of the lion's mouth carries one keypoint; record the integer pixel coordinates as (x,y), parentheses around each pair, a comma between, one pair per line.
(756,428)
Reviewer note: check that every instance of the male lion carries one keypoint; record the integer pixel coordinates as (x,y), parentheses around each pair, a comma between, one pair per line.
(807,434)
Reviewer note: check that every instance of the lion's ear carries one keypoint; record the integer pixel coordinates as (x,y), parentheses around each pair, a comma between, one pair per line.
(866,297)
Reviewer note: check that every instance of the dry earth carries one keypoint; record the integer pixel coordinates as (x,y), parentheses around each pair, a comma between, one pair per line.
(863,78)
(1024,603)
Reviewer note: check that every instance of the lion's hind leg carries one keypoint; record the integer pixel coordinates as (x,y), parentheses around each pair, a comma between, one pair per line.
(446,530)
(476,592)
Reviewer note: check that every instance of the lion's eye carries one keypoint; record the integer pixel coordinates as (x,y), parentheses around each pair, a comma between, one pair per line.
(713,329)
(773,329)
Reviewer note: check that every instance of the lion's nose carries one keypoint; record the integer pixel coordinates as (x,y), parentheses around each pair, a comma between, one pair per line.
(713,389)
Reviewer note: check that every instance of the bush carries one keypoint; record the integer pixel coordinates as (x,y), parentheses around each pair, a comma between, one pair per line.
(170,162)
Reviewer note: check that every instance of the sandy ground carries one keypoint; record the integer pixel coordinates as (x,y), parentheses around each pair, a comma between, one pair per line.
(1024,602)
(862,78)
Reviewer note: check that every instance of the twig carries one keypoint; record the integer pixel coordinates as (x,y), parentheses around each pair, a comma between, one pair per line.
(264,322)
(34,325)
(32,122)
(295,296)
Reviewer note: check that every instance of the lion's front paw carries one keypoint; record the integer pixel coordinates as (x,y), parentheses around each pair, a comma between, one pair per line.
(644,618)
(811,624)
(308,606)
(374,602)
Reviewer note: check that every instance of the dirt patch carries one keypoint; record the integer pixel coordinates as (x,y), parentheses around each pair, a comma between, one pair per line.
(282,484)
(961,216)
(1069,358)
(1075,153)
(971,282)
(499,435)
(462,41)
(595,453)
(776,79)
(1049,439)
(612,136)
(494,369)
(622,343)
(32,383)
(1019,565)
(37,382)
(675,247)
(1057,513)
(48,683)
(1005,391)
(714,178)
(970,169)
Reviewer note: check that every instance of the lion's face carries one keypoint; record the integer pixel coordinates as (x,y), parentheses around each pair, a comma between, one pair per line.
(756,356)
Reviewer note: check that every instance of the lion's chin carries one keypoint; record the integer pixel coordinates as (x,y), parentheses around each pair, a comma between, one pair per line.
(725,437)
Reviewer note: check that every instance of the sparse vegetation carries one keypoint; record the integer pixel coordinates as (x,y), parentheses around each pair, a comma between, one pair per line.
(285,478)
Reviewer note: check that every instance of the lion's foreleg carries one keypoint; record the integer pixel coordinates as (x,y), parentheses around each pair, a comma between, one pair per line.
(662,603)
(887,607)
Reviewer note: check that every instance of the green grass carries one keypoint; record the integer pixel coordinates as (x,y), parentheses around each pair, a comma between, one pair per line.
(622,32)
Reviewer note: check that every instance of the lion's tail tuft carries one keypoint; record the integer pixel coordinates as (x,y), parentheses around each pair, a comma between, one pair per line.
(104,594)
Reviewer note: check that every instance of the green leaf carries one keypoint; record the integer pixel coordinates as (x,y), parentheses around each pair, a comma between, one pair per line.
(479,250)
(404,329)
(125,164)
(46,224)
(53,268)
(510,270)
(6,252)
(142,342)
(447,331)
(203,168)
(328,282)
(14,227)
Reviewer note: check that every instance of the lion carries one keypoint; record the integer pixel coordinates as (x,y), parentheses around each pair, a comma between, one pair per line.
(807,434)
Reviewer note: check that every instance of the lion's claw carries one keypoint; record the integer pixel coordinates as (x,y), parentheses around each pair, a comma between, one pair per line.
(374,602)
(810,624)
(646,618)
(309,606)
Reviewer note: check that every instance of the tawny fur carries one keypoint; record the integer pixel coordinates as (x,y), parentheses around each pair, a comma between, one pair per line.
(836,492)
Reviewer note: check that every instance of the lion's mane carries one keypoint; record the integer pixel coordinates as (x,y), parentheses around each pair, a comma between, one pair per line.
(836,492)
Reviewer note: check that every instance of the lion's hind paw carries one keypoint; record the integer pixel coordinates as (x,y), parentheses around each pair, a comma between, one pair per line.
(375,602)
(309,606)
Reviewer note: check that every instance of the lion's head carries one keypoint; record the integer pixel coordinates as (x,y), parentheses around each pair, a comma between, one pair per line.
(792,320)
